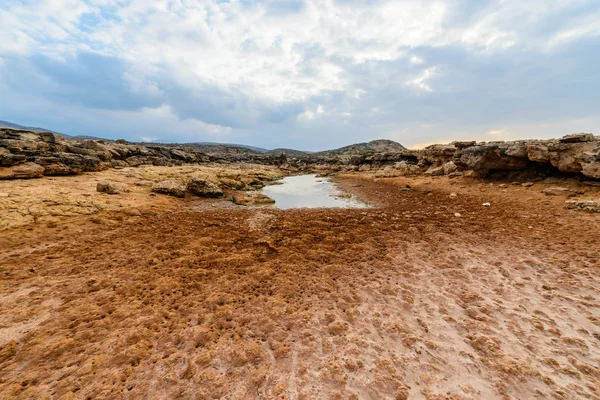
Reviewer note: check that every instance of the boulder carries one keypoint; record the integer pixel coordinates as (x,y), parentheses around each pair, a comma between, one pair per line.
(449,167)
(435,170)
(203,188)
(169,187)
(22,171)
(108,187)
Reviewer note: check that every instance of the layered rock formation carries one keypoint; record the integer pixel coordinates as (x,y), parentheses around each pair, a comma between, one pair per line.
(573,154)
(29,154)
(576,153)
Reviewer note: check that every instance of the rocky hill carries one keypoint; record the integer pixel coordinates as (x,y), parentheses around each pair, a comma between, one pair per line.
(287,152)
(375,146)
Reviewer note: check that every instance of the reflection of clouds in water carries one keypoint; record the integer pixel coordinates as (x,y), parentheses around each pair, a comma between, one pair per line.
(307,191)
(303,185)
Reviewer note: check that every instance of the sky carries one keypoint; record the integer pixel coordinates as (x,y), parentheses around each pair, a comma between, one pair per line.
(302,74)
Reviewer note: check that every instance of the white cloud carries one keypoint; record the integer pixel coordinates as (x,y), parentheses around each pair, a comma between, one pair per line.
(421,81)
(325,60)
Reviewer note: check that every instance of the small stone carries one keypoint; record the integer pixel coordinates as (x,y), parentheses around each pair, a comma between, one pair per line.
(558,191)
(453,195)
(486,204)
(458,215)
(503,186)
(108,187)
(527,184)
(132,212)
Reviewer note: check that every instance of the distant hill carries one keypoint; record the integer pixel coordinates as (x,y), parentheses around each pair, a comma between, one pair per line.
(381,145)
(253,148)
(287,152)
(6,124)
(211,147)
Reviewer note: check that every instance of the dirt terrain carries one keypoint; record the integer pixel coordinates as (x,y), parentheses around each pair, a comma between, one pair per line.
(52,199)
(428,295)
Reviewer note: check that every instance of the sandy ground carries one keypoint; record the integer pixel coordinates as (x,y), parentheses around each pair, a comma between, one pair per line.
(403,301)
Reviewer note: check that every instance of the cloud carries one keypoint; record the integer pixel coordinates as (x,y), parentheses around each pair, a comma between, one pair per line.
(304,73)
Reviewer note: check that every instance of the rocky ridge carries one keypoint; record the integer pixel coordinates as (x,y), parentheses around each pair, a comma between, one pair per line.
(31,154)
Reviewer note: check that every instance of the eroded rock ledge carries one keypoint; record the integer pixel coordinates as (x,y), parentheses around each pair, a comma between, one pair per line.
(28,154)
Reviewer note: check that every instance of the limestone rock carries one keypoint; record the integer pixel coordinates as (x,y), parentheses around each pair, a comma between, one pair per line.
(22,171)
(404,168)
(584,205)
(449,167)
(204,188)
(558,191)
(578,138)
(248,199)
(435,170)
(169,187)
(108,187)
(230,183)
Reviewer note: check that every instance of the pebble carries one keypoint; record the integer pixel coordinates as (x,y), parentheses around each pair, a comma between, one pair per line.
(457,215)
(486,204)
(453,195)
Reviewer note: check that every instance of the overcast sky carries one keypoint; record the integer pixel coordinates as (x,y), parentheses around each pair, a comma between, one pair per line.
(304,74)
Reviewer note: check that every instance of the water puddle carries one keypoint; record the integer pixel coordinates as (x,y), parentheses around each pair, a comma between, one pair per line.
(308,191)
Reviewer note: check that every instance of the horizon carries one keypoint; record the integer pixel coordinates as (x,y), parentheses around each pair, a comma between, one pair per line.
(302,74)
(417,146)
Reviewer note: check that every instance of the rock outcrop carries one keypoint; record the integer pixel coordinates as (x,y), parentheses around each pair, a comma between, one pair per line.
(576,153)
(29,154)
(32,154)
(584,205)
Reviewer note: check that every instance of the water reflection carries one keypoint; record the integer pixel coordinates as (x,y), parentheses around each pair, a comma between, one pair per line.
(308,191)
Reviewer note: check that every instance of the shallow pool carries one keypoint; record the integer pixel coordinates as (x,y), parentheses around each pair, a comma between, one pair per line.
(308,191)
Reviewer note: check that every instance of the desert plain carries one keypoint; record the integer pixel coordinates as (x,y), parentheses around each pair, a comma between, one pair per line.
(426,294)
